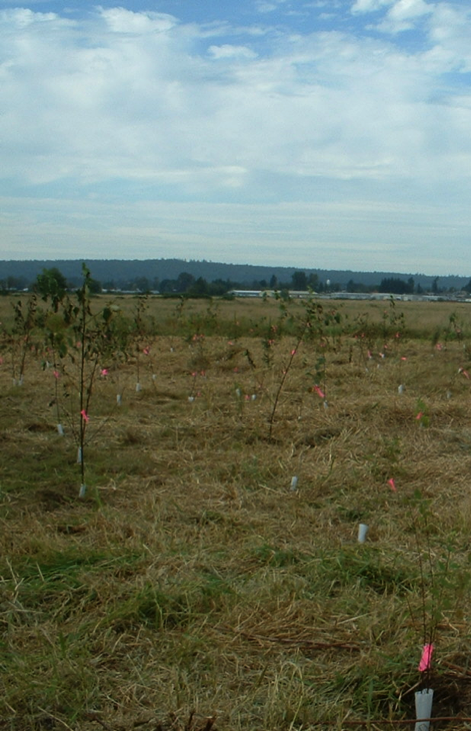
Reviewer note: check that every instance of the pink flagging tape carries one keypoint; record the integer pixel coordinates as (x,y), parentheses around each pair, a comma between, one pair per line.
(426,660)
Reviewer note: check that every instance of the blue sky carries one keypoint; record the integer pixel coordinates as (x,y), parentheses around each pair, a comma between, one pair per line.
(332,134)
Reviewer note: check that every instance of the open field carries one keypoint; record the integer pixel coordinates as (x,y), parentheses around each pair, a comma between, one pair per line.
(194,586)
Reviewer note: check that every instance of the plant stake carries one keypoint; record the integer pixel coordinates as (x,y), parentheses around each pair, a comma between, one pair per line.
(423,709)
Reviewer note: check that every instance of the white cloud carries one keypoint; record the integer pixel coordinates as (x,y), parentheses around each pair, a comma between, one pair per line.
(227,51)
(132,95)
(268,6)
(450,34)
(138,105)
(369,6)
(120,20)
(24,17)
(265,7)
(405,9)
(403,15)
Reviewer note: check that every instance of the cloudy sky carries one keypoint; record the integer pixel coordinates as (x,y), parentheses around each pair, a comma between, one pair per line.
(307,133)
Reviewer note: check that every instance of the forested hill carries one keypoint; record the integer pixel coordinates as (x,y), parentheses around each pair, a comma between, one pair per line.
(122,271)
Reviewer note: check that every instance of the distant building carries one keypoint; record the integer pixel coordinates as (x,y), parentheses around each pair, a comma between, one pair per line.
(296,294)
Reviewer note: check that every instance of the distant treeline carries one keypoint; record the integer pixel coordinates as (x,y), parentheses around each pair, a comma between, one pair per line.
(53,279)
(184,284)
(177,276)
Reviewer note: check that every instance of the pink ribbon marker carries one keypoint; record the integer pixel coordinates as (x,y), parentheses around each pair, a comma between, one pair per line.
(104,372)
(85,415)
(465,373)
(392,484)
(420,415)
(426,660)
(56,374)
(319,391)
(146,350)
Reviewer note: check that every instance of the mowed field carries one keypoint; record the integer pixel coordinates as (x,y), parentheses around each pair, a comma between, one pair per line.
(196,585)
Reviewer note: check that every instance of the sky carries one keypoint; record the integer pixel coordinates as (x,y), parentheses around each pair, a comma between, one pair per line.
(330,134)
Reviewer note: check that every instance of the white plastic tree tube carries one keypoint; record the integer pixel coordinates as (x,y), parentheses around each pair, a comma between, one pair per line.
(362,532)
(294,482)
(423,709)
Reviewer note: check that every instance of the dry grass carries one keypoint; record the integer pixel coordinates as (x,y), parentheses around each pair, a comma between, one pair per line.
(192,589)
